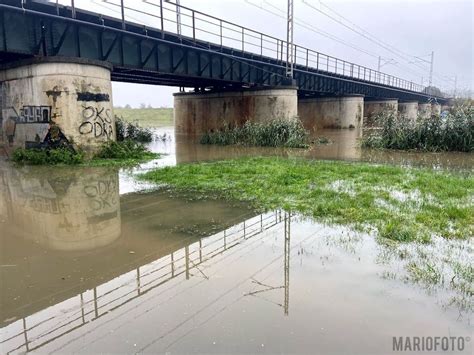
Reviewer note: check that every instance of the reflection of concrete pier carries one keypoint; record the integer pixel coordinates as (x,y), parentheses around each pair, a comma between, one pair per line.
(64,209)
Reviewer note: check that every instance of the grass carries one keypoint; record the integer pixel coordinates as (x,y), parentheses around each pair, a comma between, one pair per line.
(147,117)
(401,204)
(455,132)
(276,133)
(125,153)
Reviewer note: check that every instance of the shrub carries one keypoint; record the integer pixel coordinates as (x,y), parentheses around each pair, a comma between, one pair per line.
(126,152)
(56,156)
(455,132)
(277,133)
(126,130)
(126,149)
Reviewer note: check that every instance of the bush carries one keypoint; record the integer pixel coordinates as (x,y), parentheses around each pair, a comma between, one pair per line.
(455,132)
(277,133)
(124,150)
(56,156)
(126,130)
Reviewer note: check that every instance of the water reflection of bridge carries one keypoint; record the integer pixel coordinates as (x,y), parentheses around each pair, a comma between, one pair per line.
(48,325)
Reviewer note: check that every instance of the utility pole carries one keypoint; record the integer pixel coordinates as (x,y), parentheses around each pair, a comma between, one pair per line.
(178,17)
(455,86)
(431,62)
(378,67)
(431,68)
(289,40)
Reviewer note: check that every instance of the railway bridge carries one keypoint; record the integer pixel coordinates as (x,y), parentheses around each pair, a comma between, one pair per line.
(57,63)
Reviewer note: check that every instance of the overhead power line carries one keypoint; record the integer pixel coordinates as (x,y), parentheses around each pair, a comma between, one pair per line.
(367,35)
(312,28)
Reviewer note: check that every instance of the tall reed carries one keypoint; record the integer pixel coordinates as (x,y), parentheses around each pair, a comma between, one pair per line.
(276,133)
(454,132)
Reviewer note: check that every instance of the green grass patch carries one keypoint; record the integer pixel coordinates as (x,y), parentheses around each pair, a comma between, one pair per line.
(402,204)
(276,133)
(146,117)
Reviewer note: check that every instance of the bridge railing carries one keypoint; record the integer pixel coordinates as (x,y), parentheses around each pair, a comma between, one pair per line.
(195,27)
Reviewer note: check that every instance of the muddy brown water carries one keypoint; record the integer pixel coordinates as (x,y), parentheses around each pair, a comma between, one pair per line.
(92,261)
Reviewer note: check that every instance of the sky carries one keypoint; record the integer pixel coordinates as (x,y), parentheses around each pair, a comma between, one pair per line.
(359,31)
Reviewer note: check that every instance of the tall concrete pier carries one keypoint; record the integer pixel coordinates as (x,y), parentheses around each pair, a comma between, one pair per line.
(331,112)
(198,113)
(424,110)
(408,109)
(435,109)
(73,96)
(373,107)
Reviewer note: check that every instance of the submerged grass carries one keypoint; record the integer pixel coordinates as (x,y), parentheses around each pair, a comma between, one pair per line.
(402,204)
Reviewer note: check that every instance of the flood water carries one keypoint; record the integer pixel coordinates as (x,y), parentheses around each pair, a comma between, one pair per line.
(92,261)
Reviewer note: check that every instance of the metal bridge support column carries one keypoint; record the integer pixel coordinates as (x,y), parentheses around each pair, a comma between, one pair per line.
(408,109)
(374,107)
(71,99)
(198,113)
(424,110)
(331,112)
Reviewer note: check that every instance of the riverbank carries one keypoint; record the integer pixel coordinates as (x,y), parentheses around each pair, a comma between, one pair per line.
(401,204)
(147,117)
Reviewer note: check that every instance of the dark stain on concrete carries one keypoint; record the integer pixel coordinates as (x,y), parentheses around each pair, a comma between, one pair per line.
(55,93)
(89,96)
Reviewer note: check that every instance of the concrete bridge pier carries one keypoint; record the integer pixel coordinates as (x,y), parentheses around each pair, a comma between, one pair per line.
(331,112)
(424,110)
(373,107)
(435,109)
(408,109)
(445,108)
(201,112)
(71,99)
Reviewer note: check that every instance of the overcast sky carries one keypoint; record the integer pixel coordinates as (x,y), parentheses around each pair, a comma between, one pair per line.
(403,28)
